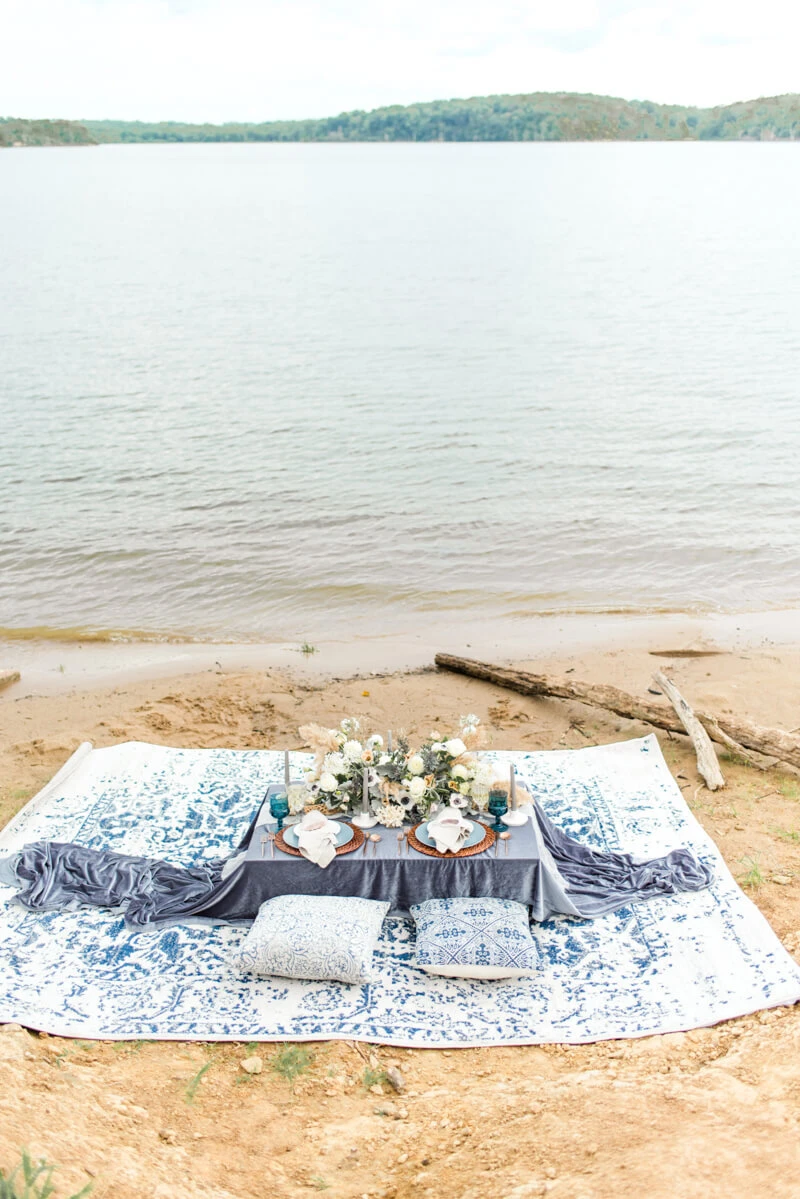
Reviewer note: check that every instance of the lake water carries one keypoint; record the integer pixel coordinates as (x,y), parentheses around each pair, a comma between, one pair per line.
(279,391)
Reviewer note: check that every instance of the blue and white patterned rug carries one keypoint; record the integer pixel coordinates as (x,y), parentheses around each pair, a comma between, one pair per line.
(660,966)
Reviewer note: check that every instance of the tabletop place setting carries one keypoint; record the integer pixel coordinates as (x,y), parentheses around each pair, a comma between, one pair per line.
(383,800)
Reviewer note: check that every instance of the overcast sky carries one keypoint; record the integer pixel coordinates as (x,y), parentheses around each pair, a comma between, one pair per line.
(255,60)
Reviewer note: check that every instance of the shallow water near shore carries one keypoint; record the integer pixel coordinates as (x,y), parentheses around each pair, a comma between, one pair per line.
(283,392)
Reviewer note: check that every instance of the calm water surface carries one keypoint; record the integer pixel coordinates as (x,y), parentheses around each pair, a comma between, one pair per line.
(280,391)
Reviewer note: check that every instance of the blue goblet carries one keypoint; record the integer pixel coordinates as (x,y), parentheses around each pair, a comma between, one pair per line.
(279,807)
(498,806)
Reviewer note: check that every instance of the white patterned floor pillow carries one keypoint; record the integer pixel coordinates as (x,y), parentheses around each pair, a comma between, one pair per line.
(313,936)
(475,938)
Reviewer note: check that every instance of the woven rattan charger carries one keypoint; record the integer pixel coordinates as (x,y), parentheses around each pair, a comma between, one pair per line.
(350,846)
(420,846)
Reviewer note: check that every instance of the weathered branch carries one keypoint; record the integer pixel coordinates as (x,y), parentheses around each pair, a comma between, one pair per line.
(716,734)
(772,743)
(7,677)
(707,763)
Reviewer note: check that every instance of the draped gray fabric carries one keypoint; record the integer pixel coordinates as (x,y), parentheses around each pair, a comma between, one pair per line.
(545,869)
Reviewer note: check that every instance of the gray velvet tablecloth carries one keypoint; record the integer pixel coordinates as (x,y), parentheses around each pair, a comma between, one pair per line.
(526,874)
(544,869)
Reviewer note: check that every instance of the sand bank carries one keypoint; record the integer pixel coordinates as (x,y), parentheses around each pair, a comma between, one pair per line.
(720,1106)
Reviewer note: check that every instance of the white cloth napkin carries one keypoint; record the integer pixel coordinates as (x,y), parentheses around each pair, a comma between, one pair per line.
(316,838)
(449,830)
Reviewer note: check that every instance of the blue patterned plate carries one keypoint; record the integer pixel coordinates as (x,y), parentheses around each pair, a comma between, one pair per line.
(343,835)
(476,834)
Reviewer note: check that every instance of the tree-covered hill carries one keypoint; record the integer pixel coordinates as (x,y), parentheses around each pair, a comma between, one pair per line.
(541,116)
(15,131)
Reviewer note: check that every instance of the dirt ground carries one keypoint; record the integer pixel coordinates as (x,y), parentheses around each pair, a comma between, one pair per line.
(711,1112)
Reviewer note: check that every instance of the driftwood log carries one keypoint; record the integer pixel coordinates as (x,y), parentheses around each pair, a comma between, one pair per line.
(731,731)
(7,677)
(707,763)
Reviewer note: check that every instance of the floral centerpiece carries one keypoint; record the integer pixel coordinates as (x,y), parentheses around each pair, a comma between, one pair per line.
(402,783)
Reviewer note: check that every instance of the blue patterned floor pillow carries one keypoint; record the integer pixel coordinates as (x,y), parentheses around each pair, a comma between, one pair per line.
(475,938)
(321,937)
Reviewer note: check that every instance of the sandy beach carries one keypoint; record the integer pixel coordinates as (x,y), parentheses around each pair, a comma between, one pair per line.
(721,1105)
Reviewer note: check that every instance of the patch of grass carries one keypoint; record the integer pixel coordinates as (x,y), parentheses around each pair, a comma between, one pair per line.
(194,1083)
(319,1182)
(129,1048)
(32,1180)
(292,1060)
(753,877)
(785,834)
(21,793)
(789,788)
(307,649)
(372,1078)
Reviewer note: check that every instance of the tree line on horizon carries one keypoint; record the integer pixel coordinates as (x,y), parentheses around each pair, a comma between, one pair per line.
(540,116)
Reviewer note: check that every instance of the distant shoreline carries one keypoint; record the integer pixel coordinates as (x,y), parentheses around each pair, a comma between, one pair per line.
(537,117)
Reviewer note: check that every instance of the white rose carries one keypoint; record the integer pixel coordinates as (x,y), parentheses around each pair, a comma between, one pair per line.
(459,772)
(455,747)
(464,788)
(328,781)
(334,764)
(416,764)
(416,787)
(353,750)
